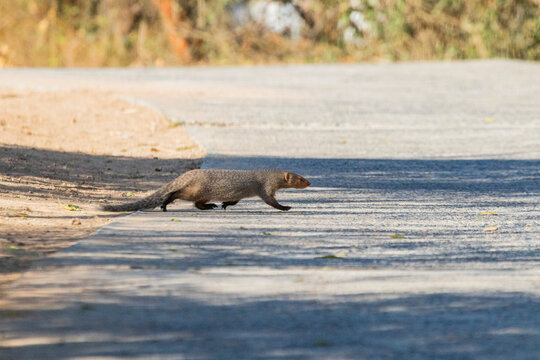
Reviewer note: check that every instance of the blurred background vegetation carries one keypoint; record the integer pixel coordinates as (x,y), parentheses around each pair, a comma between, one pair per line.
(173,32)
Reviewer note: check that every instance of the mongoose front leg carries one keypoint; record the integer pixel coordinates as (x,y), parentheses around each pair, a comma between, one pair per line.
(201,205)
(270,200)
(228,203)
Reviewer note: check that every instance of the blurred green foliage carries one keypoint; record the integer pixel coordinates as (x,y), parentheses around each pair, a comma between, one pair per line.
(134,33)
(448,29)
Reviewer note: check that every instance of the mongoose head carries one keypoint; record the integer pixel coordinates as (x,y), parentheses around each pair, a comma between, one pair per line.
(293,180)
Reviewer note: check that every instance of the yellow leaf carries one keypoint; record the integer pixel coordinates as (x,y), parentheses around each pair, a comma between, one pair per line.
(488,213)
(489,120)
(397,236)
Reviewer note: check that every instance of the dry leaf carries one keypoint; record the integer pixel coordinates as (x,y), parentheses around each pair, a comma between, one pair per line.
(72,207)
(491,228)
(183,148)
(12,314)
(322,343)
(328,257)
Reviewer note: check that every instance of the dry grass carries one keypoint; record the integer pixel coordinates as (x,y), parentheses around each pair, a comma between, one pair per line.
(132,32)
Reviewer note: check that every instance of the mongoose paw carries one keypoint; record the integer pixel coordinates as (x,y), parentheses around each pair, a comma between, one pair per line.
(202,206)
(228,203)
(163,208)
(285,208)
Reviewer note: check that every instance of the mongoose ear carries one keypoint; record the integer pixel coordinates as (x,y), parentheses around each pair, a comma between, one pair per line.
(288,177)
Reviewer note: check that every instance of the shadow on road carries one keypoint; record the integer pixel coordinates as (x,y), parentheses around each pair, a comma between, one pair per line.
(126,173)
(50,173)
(475,176)
(423,213)
(442,326)
(434,204)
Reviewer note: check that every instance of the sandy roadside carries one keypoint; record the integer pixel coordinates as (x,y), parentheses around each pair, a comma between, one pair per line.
(79,148)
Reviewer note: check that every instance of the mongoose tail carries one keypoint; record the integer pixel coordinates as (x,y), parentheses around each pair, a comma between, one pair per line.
(227,186)
(149,202)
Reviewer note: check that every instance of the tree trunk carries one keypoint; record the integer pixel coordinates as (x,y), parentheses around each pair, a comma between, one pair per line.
(171,24)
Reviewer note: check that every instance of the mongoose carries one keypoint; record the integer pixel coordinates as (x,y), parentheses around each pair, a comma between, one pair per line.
(227,186)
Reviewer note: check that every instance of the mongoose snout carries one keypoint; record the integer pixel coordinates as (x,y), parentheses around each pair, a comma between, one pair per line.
(296,181)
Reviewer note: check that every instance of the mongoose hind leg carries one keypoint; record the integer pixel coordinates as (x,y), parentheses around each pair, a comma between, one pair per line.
(201,205)
(228,203)
(170,198)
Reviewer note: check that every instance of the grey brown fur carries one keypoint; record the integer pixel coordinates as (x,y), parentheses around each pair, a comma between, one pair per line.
(228,186)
